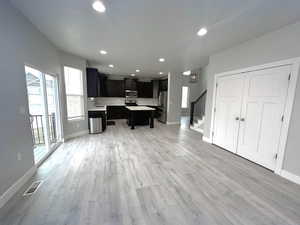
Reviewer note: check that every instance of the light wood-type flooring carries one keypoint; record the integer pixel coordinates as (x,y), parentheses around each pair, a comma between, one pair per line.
(160,176)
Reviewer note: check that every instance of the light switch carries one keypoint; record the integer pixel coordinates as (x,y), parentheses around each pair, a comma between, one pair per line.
(19,156)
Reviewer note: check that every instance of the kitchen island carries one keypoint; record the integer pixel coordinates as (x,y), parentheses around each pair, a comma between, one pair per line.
(140,115)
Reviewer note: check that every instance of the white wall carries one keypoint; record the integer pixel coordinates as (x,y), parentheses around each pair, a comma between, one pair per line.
(196,89)
(275,46)
(20,43)
(200,86)
(176,81)
(174,98)
(75,126)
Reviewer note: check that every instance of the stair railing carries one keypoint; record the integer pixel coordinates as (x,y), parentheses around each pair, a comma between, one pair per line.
(201,101)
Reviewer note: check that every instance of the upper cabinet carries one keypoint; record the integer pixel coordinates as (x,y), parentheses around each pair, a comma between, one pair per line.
(130,84)
(145,89)
(99,86)
(92,82)
(163,85)
(115,88)
(95,83)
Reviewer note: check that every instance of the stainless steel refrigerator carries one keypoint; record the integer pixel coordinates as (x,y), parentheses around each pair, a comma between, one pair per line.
(163,104)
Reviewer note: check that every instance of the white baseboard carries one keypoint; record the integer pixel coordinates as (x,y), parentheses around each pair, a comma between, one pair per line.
(53,149)
(173,123)
(206,139)
(77,134)
(290,176)
(16,186)
(197,129)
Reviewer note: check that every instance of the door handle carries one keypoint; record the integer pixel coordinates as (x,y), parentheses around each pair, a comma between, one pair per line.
(243,119)
(237,118)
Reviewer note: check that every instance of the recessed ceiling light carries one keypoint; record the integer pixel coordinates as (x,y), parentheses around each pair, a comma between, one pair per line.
(187,73)
(103,52)
(137,71)
(132,74)
(111,66)
(162,60)
(99,6)
(161,73)
(202,31)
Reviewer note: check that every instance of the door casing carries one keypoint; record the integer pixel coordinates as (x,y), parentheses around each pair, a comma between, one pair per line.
(295,66)
(60,127)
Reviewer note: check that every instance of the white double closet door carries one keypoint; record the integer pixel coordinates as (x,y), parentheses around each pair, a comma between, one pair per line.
(248,113)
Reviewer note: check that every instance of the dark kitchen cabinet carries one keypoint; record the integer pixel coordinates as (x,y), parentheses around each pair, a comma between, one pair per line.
(157,109)
(115,88)
(103,88)
(130,84)
(95,83)
(92,82)
(145,89)
(163,85)
(102,85)
(116,112)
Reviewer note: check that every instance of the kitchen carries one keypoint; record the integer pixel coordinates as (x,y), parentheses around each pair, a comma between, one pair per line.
(138,100)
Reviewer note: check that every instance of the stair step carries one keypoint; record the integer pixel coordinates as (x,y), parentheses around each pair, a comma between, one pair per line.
(197,129)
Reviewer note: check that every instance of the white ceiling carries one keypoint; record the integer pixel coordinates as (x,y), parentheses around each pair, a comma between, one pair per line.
(137,32)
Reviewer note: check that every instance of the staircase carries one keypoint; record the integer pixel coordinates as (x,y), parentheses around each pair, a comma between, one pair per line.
(198,124)
(197,116)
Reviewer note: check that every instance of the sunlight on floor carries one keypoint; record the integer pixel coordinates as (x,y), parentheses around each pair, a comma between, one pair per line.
(39,152)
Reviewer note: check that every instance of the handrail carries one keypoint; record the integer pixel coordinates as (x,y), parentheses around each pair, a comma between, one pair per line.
(193,106)
(201,96)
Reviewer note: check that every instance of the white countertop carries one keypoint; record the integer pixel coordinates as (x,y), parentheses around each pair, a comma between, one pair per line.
(148,105)
(104,108)
(139,108)
(98,108)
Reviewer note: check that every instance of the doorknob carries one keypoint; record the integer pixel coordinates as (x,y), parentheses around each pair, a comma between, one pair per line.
(242,119)
(237,118)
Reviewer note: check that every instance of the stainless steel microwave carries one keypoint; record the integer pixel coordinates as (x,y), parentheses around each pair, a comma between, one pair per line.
(131,94)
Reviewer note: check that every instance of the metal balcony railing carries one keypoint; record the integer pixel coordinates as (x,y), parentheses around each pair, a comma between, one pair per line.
(38,129)
(52,128)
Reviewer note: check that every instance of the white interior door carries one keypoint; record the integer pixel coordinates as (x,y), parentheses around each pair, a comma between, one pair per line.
(263,106)
(228,108)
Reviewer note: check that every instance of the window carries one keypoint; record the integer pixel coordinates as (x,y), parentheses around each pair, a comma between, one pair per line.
(74,93)
(185,97)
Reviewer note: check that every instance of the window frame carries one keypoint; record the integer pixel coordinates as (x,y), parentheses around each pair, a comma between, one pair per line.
(83,116)
(187,97)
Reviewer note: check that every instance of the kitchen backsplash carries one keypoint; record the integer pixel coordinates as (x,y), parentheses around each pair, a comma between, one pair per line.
(120,101)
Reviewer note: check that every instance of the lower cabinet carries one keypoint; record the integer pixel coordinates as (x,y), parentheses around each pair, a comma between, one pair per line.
(120,112)
(140,118)
(156,113)
(116,112)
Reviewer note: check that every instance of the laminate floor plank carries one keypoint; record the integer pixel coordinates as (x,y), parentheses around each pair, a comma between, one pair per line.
(161,176)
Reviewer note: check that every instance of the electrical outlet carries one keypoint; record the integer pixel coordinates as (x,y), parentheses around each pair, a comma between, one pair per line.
(19,156)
